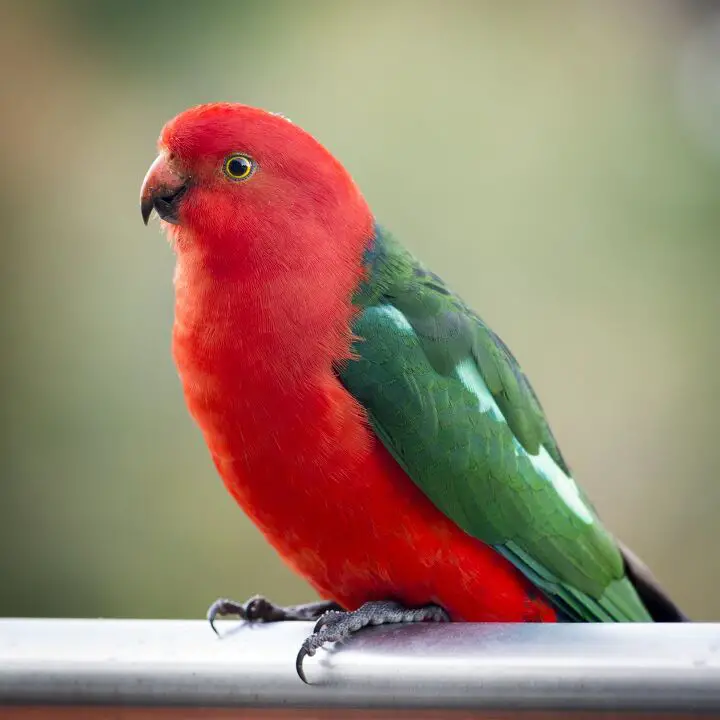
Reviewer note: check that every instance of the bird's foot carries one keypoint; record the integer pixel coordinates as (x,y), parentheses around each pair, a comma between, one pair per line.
(260,609)
(335,626)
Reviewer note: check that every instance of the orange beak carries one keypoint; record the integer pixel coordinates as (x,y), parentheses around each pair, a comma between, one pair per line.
(161,191)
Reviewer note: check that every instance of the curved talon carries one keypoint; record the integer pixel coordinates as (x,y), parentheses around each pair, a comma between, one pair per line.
(259,609)
(308,649)
(337,626)
(299,664)
(217,609)
(211,614)
(222,607)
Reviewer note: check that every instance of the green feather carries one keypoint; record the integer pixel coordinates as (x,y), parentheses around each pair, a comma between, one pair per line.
(449,401)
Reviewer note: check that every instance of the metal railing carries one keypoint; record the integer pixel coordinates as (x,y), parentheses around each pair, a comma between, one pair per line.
(169,663)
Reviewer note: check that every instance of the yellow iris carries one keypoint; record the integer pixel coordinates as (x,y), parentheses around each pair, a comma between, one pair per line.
(238,167)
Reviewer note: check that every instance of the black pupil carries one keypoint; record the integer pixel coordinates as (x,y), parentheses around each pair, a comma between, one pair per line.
(238,166)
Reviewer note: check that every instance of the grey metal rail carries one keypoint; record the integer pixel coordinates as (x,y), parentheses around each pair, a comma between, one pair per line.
(168,663)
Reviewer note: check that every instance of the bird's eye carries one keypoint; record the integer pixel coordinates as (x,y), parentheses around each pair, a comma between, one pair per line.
(238,167)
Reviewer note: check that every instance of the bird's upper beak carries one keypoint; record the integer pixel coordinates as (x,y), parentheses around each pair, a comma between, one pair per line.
(161,191)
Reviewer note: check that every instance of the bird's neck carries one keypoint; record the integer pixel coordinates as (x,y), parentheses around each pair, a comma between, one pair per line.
(287,324)
(252,339)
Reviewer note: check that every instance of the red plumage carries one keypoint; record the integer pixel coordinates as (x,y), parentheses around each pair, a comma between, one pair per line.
(265,273)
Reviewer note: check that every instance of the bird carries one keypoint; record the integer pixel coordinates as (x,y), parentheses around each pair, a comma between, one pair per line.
(376,430)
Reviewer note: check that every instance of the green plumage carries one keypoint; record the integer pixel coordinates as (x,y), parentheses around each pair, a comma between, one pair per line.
(449,401)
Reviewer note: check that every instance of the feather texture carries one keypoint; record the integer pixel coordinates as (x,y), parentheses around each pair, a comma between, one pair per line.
(453,407)
(377,432)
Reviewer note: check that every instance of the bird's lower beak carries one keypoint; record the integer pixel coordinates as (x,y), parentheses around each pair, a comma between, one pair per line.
(161,191)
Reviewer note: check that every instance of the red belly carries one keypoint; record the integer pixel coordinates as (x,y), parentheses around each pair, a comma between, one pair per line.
(361,531)
(304,465)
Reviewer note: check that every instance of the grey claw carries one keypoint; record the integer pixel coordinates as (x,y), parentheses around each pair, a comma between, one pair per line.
(337,626)
(221,607)
(299,664)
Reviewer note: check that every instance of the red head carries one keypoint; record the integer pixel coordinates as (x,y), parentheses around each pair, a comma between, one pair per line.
(248,189)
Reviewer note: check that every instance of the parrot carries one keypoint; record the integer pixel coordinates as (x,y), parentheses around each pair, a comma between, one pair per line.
(380,435)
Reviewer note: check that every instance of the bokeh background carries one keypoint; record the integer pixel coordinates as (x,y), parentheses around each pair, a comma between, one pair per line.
(557,162)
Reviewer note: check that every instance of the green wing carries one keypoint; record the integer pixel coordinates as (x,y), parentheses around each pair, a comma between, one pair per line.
(449,401)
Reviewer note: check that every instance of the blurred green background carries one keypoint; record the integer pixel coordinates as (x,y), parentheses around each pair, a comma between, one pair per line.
(557,162)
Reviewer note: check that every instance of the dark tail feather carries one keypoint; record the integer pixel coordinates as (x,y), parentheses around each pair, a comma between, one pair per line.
(658,604)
